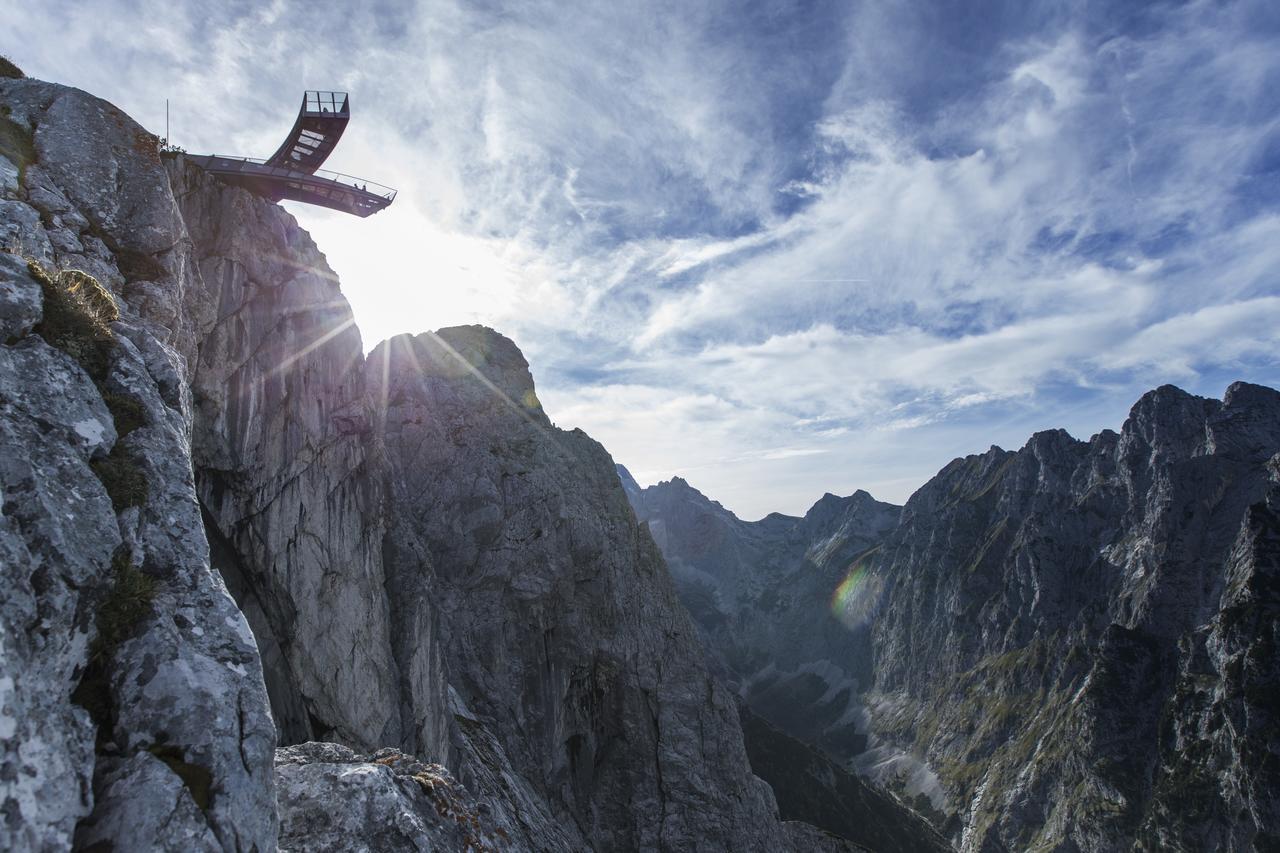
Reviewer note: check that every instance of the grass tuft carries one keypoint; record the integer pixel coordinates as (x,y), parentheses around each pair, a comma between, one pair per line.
(8,69)
(124,481)
(127,604)
(126,410)
(77,314)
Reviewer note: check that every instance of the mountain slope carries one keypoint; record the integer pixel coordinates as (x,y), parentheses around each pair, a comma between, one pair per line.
(1069,646)
(1071,636)
(761,595)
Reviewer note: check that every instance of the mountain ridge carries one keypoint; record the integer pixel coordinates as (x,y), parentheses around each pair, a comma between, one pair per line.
(1063,606)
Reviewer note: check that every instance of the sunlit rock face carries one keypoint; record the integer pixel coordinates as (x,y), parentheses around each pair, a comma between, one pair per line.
(287,485)
(161,737)
(1079,640)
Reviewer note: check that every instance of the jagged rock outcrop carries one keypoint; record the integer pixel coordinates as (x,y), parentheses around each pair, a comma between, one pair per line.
(425,561)
(561,628)
(386,802)
(133,708)
(1072,636)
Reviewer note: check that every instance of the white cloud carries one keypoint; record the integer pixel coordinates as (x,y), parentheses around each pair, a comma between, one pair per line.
(603,184)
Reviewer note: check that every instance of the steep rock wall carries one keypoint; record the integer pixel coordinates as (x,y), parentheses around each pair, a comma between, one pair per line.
(561,627)
(133,708)
(1073,636)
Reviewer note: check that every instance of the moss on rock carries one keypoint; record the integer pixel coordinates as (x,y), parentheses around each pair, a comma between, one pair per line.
(127,603)
(126,410)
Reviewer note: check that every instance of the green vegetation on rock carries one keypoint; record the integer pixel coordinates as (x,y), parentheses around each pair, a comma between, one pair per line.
(9,70)
(124,481)
(77,314)
(126,604)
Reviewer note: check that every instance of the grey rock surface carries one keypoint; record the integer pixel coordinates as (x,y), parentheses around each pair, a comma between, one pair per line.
(561,629)
(291,495)
(98,488)
(143,805)
(20,298)
(1055,621)
(57,536)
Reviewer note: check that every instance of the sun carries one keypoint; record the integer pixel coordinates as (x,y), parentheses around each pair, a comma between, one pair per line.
(403,273)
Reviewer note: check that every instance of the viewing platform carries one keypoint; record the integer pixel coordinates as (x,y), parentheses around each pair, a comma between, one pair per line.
(293,173)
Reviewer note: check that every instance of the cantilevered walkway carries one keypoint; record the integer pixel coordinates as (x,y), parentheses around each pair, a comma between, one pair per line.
(294,172)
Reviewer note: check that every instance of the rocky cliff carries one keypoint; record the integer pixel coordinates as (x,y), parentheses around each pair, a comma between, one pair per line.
(1077,637)
(1070,646)
(224,530)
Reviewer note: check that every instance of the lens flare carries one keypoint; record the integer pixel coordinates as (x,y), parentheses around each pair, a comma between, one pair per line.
(857,597)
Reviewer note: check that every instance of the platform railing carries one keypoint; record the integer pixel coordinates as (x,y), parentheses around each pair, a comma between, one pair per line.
(227,162)
(325,102)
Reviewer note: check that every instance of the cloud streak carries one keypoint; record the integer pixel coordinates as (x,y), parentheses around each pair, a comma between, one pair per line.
(780,248)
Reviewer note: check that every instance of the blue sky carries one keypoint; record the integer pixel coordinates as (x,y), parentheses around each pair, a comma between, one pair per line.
(777,248)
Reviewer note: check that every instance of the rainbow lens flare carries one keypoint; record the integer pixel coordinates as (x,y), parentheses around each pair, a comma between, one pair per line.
(857,597)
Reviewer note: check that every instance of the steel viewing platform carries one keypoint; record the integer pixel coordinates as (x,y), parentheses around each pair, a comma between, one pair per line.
(294,173)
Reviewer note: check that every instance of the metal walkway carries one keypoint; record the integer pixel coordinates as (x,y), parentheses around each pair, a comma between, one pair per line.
(294,173)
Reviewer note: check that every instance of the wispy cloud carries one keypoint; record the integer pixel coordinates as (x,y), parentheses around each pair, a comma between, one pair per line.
(782,248)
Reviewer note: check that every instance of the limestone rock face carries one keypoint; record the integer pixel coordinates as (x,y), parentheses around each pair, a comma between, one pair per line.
(133,710)
(562,632)
(1072,636)
(57,537)
(290,493)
